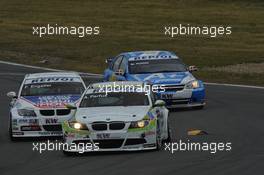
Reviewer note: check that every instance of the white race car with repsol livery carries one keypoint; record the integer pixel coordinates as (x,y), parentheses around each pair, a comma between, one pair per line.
(116,121)
(39,107)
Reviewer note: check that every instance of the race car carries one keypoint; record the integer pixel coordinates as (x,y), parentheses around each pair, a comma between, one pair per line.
(127,120)
(39,107)
(179,87)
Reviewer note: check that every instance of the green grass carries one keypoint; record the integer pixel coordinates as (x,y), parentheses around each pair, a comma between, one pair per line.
(134,25)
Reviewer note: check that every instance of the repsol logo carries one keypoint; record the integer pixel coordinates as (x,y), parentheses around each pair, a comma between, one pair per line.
(52,79)
(153,57)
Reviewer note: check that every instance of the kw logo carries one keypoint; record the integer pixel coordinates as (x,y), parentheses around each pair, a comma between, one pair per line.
(51,120)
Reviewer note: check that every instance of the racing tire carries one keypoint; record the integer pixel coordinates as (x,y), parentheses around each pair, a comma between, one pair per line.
(11,137)
(158,138)
(169,135)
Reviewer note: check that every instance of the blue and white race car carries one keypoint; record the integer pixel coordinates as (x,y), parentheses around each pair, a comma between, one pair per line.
(161,68)
(39,107)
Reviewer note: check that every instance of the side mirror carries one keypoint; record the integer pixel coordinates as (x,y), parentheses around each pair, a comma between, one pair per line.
(120,72)
(11,94)
(160,103)
(72,107)
(192,68)
(109,60)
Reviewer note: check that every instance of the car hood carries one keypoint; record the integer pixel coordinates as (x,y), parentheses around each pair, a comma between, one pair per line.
(164,78)
(108,114)
(55,101)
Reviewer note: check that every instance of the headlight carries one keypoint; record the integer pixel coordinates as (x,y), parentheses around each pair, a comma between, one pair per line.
(26,113)
(192,85)
(139,124)
(78,126)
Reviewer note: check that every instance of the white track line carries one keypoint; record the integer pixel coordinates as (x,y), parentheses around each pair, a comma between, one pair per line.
(99,75)
(28,66)
(12,74)
(234,85)
(44,68)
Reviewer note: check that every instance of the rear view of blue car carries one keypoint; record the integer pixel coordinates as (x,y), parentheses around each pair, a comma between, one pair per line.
(163,69)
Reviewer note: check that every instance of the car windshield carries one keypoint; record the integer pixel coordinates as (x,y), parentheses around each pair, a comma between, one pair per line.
(55,88)
(156,66)
(114,99)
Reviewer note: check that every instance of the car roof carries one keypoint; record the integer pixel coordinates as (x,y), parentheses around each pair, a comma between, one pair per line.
(113,83)
(155,54)
(52,74)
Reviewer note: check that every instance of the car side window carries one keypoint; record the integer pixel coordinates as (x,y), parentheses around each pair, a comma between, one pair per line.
(123,64)
(153,99)
(117,63)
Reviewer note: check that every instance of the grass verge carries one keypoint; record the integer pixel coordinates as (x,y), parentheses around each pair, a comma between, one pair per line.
(135,25)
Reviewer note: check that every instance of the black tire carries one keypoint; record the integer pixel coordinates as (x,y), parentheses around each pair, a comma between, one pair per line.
(10,130)
(169,134)
(158,138)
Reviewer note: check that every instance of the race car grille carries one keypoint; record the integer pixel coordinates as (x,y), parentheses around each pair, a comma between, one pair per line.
(47,112)
(135,141)
(173,88)
(52,127)
(116,125)
(99,126)
(111,143)
(63,111)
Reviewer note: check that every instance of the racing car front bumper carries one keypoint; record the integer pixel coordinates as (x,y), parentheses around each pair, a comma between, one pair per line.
(27,128)
(184,98)
(121,140)
(37,126)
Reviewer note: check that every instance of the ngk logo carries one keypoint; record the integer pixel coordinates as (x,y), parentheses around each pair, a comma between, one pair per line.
(51,120)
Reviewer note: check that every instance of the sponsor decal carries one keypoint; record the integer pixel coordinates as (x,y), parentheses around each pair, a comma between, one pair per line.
(152,55)
(166,96)
(151,116)
(103,136)
(17,133)
(52,79)
(28,121)
(51,101)
(162,78)
(51,121)
(50,133)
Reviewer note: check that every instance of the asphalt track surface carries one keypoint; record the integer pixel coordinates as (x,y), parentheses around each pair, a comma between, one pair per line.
(232,114)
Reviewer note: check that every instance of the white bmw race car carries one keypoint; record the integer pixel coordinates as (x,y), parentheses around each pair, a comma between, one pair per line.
(39,107)
(116,121)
